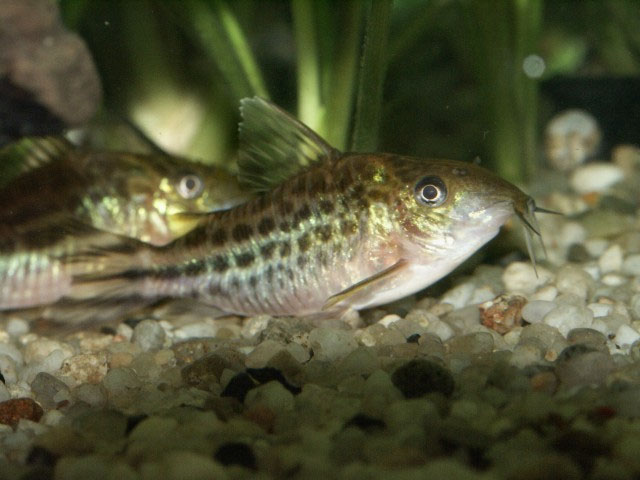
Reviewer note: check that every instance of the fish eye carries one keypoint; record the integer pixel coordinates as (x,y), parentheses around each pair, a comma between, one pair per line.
(431,191)
(190,186)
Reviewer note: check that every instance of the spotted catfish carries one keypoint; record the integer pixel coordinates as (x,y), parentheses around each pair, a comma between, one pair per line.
(66,198)
(346,231)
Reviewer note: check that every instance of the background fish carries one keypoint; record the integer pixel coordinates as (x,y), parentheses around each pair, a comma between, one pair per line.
(66,198)
(349,231)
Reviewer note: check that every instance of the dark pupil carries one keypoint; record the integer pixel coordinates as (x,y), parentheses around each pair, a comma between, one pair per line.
(430,192)
(190,183)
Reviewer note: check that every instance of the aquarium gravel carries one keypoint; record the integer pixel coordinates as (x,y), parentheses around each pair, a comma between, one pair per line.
(511,372)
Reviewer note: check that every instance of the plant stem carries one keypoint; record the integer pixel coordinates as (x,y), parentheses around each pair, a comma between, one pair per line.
(241,48)
(343,75)
(372,72)
(310,107)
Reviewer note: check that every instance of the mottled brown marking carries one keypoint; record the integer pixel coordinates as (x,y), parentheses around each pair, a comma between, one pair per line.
(326,206)
(266,226)
(304,242)
(285,226)
(220,263)
(242,232)
(266,250)
(323,232)
(234,282)
(343,179)
(218,237)
(357,191)
(304,213)
(290,274)
(285,249)
(376,195)
(269,274)
(322,257)
(363,203)
(244,259)
(196,237)
(287,207)
(318,185)
(260,204)
(347,227)
(301,260)
(299,185)
(253,281)
(195,268)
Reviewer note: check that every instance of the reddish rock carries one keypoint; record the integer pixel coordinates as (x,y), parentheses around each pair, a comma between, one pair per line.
(503,313)
(13,410)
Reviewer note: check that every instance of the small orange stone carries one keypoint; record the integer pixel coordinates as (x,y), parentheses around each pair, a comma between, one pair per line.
(11,411)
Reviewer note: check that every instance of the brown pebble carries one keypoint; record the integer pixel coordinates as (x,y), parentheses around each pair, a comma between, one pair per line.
(13,410)
(503,313)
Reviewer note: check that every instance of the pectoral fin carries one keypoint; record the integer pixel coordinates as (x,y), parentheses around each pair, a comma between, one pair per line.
(368,286)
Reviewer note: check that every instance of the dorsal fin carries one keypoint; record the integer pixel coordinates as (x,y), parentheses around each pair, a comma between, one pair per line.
(274,146)
(30,153)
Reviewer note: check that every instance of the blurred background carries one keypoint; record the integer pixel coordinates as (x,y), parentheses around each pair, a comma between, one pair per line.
(439,78)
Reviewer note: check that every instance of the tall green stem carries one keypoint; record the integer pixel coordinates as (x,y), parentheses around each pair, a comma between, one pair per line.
(371,79)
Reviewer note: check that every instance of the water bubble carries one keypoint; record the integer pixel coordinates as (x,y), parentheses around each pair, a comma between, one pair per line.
(533,66)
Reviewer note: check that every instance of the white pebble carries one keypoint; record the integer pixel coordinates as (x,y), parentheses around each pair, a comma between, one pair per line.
(595,177)
(600,309)
(572,279)
(8,350)
(535,311)
(481,295)
(459,295)
(17,326)
(626,335)
(149,335)
(611,259)
(547,293)
(520,277)
(570,138)
(330,343)
(567,317)
(440,329)
(613,280)
(596,246)
(389,319)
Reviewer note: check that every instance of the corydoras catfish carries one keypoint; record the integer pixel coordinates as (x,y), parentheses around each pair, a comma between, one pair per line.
(346,231)
(66,198)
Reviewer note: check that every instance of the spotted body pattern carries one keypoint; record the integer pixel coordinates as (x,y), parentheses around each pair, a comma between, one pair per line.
(349,231)
(67,199)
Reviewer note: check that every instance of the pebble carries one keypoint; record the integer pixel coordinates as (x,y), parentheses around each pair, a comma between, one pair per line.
(595,177)
(49,391)
(148,335)
(535,311)
(12,411)
(419,377)
(626,335)
(459,296)
(331,344)
(611,259)
(571,137)
(521,277)
(574,280)
(567,317)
